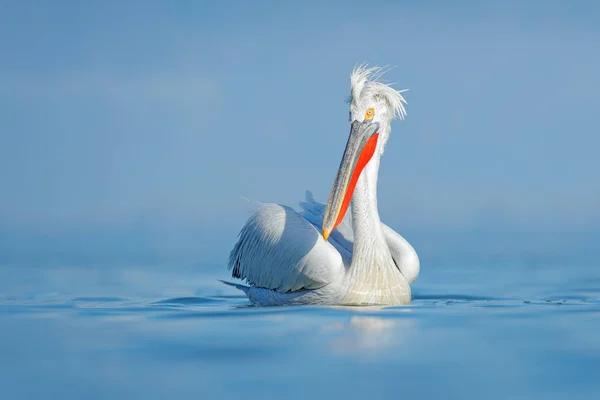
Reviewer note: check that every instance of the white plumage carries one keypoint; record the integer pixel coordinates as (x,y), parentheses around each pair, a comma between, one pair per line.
(276,233)
(283,256)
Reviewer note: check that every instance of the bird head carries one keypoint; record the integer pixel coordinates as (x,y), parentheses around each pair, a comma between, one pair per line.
(373,105)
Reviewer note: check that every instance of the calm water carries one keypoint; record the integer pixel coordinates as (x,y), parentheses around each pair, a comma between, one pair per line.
(519,327)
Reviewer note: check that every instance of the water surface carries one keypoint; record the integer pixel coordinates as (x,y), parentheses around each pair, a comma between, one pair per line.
(506,329)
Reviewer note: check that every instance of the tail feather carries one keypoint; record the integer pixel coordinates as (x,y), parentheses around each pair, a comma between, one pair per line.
(243,288)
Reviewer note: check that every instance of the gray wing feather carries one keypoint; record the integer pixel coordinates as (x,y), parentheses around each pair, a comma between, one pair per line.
(279,249)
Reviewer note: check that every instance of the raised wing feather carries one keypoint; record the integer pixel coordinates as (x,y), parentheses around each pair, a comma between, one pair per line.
(279,249)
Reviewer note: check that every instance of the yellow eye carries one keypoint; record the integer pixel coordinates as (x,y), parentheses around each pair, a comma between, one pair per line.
(369,114)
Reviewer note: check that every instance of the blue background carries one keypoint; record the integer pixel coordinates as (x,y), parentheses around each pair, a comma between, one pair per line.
(129,131)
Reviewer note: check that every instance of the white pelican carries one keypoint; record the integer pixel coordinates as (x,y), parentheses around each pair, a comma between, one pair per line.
(286,260)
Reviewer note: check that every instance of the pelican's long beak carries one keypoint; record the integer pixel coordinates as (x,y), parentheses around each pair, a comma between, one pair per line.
(359,150)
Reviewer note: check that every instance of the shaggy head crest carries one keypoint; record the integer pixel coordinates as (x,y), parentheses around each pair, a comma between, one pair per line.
(364,83)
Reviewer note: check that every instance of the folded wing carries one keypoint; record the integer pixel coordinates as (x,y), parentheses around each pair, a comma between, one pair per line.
(279,249)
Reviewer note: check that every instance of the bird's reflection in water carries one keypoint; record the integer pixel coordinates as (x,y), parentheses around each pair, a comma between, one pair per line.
(370,335)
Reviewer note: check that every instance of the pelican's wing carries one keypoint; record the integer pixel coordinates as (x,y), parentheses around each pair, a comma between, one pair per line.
(279,249)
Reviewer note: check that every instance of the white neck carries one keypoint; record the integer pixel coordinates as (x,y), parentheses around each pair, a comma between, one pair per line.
(365,215)
(372,278)
(368,234)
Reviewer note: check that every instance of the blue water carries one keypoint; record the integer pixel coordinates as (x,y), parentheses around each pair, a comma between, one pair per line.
(526,325)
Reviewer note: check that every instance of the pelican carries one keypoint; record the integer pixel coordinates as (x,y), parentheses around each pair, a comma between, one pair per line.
(323,254)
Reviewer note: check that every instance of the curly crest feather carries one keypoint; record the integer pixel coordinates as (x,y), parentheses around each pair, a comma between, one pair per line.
(365,82)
